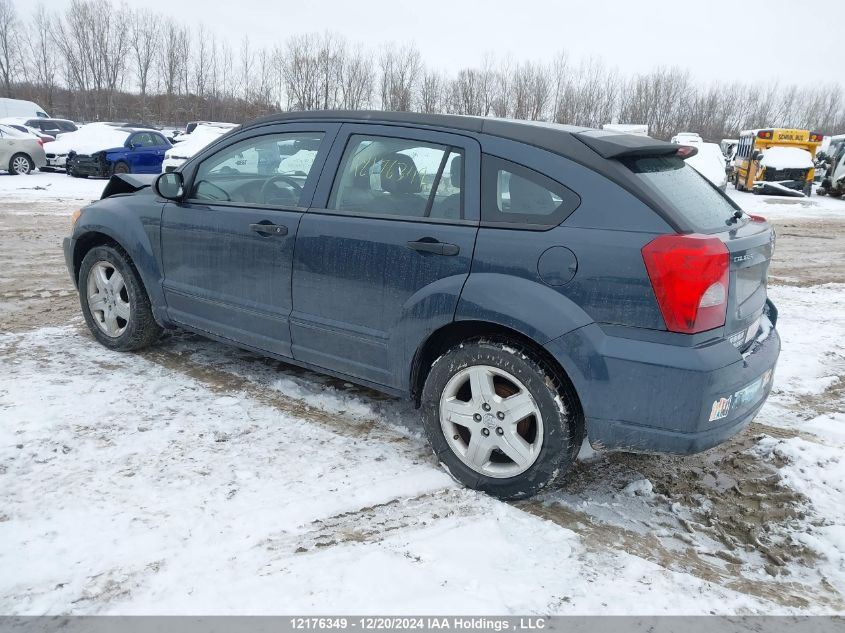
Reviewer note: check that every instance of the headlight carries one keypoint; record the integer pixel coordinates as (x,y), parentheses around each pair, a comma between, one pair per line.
(74,217)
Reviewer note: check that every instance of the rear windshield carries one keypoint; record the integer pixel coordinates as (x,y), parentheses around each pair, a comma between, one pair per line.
(685,190)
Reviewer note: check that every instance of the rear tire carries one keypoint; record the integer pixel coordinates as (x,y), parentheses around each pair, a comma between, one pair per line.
(20,165)
(474,401)
(114,302)
(121,167)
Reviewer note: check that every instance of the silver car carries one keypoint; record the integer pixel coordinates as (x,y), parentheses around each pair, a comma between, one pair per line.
(20,153)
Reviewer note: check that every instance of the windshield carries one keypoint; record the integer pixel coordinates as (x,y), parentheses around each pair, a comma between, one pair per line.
(684,190)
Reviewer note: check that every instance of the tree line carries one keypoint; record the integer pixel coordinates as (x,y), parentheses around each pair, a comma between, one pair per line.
(97,60)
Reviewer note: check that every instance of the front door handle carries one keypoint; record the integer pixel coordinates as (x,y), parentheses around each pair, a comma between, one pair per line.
(269,229)
(438,248)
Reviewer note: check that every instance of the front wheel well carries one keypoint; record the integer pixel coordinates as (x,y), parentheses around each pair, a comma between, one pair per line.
(85,243)
(454,333)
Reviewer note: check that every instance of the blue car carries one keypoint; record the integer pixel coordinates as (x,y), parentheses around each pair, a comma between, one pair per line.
(141,153)
(526,284)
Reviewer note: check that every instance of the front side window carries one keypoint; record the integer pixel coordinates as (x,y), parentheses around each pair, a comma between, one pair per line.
(144,139)
(270,169)
(512,193)
(391,176)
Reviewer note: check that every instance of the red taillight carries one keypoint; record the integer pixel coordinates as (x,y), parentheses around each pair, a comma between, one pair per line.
(815,137)
(766,134)
(41,142)
(757,218)
(689,275)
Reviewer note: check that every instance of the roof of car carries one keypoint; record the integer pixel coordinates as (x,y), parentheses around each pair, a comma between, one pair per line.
(567,140)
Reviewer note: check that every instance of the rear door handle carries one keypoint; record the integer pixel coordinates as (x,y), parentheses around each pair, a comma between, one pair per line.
(438,248)
(269,229)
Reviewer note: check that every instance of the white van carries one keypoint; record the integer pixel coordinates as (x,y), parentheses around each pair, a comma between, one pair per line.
(19,108)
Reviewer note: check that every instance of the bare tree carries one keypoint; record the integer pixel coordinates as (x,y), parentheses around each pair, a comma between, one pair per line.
(143,43)
(400,67)
(43,55)
(10,57)
(356,80)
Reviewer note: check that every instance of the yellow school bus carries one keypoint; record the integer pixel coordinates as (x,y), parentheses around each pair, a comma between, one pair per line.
(757,169)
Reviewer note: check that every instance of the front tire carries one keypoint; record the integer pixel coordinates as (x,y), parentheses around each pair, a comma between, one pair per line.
(20,165)
(120,167)
(114,303)
(499,418)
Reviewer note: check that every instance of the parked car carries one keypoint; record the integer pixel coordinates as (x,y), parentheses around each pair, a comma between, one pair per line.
(28,131)
(710,163)
(189,144)
(47,126)
(20,153)
(687,138)
(140,152)
(88,139)
(627,128)
(20,108)
(526,283)
(192,125)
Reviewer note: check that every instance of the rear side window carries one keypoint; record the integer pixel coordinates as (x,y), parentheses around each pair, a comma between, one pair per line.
(513,194)
(685,190)
(400,177)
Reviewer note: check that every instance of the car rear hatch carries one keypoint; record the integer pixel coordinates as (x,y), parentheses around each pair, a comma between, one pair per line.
(708,224)
(750,246)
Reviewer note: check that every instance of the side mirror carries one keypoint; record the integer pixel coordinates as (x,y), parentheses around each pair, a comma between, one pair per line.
(170,185)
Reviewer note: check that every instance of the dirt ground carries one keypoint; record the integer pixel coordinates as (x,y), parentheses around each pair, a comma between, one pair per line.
(733,512)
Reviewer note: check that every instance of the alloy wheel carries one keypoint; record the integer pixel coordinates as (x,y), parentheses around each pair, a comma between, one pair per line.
(108,299)
(491,421)
(20,165)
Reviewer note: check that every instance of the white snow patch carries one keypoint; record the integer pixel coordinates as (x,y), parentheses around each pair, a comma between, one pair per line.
(639,488)
(130,487)
(786,158)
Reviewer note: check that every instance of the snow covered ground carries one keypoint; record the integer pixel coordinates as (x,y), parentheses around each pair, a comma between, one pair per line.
(197,478)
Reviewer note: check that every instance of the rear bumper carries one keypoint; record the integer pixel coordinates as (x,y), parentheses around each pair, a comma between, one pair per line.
(649,397)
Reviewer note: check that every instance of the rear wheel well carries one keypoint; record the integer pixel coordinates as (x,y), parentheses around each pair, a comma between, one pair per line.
(457,331)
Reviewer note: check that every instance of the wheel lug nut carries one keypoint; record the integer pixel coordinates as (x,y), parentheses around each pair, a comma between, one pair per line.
(485,431)
(485,406)
(499,430)
(500,415)
(477,417)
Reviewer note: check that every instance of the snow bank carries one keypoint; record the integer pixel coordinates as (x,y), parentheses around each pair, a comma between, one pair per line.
(786,158)
(89,139)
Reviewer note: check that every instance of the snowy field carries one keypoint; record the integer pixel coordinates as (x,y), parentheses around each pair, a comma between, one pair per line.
(196,478)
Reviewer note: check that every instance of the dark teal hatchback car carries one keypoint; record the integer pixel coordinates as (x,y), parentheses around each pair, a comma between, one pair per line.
(527,284)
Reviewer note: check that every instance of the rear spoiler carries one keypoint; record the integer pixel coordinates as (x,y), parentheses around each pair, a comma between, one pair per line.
(616,145)
(127,183)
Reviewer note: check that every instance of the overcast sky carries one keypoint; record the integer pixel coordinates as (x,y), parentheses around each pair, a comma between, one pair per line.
(776,43)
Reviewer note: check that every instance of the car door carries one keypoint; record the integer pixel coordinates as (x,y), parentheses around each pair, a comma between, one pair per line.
(144,150)
(6,149)
(383,253)
(227,249)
